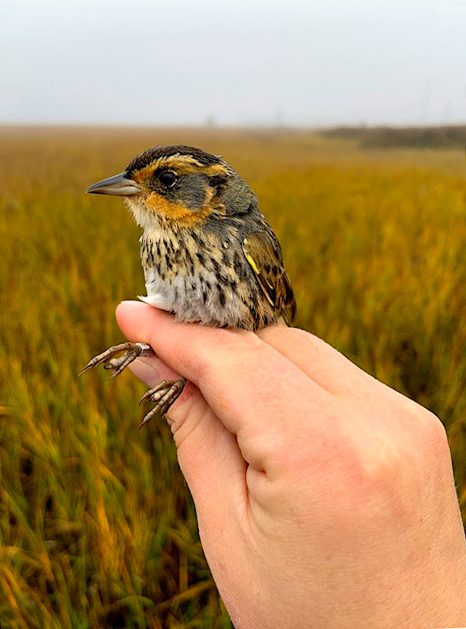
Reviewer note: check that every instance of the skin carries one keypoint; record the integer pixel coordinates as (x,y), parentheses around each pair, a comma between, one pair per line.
(324,498)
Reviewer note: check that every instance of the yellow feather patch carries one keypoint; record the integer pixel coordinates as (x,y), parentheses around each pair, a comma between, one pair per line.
(249,258)
(251,261)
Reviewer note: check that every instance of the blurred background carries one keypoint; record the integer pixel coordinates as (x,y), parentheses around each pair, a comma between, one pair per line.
(245,63)
(347,119)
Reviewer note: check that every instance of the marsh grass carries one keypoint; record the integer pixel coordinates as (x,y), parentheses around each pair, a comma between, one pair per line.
(97,528)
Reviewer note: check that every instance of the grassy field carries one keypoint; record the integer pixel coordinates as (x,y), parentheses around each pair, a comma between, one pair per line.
(97,528)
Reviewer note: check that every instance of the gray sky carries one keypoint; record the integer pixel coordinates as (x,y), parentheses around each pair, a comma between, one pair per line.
(244,62)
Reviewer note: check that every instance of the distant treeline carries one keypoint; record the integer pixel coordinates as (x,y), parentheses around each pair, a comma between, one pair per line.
(414,137)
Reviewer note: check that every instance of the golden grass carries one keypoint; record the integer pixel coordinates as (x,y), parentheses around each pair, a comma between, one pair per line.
(96,525)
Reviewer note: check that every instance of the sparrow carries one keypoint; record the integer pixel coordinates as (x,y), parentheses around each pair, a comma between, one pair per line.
(207,252)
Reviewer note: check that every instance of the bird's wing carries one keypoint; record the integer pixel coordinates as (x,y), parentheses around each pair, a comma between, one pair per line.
(264,255)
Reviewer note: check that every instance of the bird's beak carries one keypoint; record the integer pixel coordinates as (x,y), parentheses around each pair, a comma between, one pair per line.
(119,185)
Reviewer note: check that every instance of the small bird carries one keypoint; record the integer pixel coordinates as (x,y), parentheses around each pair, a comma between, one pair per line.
(207,252)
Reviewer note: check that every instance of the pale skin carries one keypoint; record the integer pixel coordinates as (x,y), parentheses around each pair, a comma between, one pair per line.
(324,498)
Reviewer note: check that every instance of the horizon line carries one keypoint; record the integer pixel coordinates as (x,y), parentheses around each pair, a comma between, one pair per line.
(231,126)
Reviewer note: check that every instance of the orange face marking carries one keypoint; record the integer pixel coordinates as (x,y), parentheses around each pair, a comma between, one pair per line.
(175,211)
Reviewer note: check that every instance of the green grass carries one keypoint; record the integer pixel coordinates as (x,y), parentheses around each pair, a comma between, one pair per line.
(97,528)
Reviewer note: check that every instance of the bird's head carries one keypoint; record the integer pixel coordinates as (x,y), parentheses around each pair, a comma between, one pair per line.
(180,184)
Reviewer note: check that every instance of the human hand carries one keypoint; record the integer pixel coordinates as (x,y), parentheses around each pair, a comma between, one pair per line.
(324,498)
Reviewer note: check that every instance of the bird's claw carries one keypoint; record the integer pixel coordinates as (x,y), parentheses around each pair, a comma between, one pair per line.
(164,395)
(109,361)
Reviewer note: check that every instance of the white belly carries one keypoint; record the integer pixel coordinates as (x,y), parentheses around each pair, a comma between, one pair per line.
(190,300)
(162,294)
(178,296)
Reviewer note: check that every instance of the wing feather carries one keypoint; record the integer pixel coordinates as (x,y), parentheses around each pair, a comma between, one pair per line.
(263,254)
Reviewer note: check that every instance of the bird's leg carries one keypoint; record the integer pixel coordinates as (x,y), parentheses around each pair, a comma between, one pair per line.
(164,395)
(108,360)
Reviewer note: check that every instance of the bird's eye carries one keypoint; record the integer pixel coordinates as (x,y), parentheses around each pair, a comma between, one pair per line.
(168,178)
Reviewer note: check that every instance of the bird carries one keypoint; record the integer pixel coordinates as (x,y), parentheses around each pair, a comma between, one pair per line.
(208,254)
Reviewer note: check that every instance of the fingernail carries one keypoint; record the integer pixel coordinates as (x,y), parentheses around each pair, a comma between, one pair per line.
(144,370)
(130,301)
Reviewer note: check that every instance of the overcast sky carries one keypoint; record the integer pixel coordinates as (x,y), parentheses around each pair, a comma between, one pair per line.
(245,62)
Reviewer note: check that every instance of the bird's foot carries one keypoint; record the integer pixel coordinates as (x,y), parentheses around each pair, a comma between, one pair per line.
(164,395)
(109,360)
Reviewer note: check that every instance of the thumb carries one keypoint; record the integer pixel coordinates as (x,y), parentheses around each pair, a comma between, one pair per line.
(208,453)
